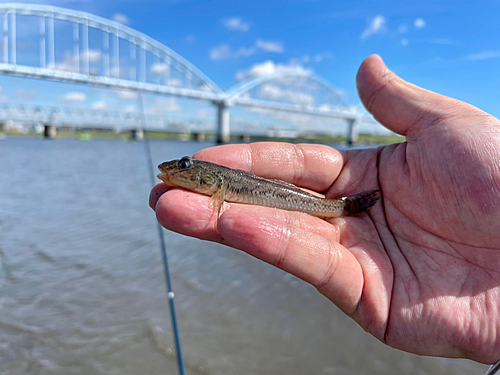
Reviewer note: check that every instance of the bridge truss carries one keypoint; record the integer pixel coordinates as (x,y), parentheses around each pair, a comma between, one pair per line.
(109,54)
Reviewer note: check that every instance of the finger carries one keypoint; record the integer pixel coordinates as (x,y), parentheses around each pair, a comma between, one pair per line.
(359,173)
(318,260)
(191,214)
(402,107)
(156,192)
(310,166)
(187,213)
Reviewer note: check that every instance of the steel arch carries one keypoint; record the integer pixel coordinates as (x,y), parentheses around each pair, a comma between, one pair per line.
(234,93)
(112,28)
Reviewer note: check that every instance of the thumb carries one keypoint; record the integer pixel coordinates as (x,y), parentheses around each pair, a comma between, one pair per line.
(404,108)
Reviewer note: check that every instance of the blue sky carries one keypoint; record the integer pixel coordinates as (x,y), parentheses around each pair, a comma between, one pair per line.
(446,46)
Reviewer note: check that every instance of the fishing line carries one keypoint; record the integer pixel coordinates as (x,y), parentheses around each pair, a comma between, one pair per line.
(170,291)
(493,369)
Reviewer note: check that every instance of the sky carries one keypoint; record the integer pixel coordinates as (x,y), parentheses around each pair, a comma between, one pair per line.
(451,47)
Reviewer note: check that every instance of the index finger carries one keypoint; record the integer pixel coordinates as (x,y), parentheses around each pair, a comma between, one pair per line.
(314,167)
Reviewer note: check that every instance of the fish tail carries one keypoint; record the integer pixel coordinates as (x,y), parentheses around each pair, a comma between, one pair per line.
(360,202)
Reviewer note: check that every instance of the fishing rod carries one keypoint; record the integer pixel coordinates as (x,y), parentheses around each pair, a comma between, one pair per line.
(168,281)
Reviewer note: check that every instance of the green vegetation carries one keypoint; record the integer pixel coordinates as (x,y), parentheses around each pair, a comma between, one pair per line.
(328,139)
(381,139)
(89,134)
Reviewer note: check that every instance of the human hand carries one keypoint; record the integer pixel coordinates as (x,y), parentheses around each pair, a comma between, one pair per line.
(421,269)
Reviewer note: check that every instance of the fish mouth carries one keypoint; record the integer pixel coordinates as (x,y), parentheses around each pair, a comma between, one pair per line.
(166,179)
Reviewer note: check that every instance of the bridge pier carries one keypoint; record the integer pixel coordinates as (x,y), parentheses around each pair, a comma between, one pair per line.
(352,133)
(137,134)
(49,131)
(245,138)
(222,123)
(200,137)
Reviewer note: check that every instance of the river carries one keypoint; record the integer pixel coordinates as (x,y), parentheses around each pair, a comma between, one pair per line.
(82,289)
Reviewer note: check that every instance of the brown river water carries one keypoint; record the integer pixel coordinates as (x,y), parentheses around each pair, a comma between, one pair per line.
(82,289)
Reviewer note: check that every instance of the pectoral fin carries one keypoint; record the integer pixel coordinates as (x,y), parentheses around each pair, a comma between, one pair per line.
(217,200)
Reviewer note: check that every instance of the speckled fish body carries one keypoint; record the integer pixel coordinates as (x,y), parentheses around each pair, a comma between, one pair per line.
(234,185)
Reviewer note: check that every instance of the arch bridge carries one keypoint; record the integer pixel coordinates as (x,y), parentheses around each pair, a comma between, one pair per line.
(106,53)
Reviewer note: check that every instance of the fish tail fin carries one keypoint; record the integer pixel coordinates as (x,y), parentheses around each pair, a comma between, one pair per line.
(360,202)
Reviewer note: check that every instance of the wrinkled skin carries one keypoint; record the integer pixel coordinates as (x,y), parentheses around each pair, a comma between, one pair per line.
(420,271)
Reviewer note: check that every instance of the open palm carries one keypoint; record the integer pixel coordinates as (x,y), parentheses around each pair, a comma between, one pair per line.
(421,269)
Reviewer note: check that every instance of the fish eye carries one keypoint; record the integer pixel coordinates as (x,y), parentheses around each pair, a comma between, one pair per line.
(184,163)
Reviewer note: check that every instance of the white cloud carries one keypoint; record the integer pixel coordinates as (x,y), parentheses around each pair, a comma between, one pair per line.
(304,122)
(3,98)
(224,51)
(404,42)
(126,94)
(164,105)
(25,94)
(236,24)
(268,46)
(319,57)
(74,97)
(349,109)
(375,26)
(295,120)
(203,114)
(299,60)
(69,63)
(101,105)
(129,108)
(94,55)
(121,18)
(485,55)
(275,92)
(419,23)
(243,51)
(221,52)
(269,67)
(326,107)
(357,109)
(403,28)
(175,82)
(159,68)
(114,71)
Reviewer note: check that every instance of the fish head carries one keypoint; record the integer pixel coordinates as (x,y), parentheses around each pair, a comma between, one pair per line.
(177,173)
(188,173)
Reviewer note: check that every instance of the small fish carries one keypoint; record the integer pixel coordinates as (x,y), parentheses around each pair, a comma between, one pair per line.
(234,185)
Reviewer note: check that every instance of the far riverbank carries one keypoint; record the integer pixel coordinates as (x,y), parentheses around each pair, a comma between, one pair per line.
(89,134)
